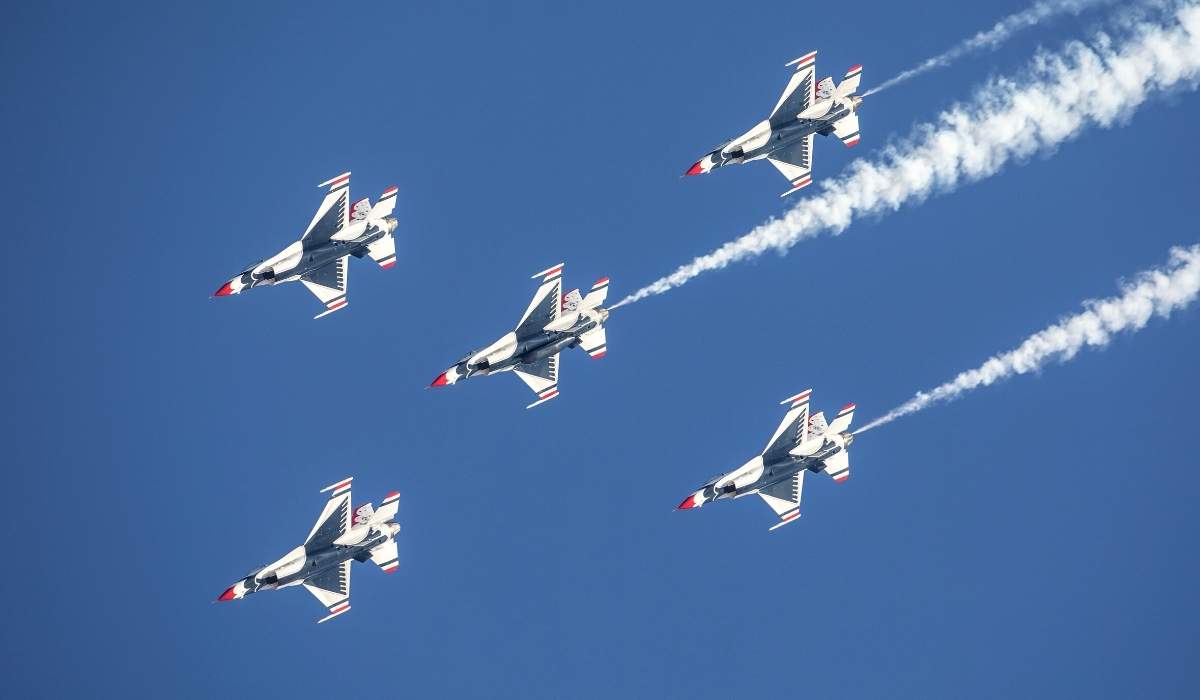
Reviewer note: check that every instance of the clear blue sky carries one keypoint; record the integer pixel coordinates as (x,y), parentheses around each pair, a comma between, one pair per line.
(1034,540)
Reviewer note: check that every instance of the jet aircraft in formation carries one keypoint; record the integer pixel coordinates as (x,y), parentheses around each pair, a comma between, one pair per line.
(785,138)
(322,563)
(320,259)
(801,444)
(551,323)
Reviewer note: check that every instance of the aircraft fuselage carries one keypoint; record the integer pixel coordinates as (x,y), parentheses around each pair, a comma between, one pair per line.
(745,481)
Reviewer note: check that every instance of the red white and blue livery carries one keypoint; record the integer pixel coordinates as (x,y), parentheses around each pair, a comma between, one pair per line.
(806,108)
(801,444)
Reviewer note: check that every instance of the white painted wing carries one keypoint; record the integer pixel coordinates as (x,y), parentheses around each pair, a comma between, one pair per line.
(546,304)
(793,429)
(795,163)
(335,518)
(784,498)
(329,284)
(332,588)
(333,213)
(798,94)
(541,377)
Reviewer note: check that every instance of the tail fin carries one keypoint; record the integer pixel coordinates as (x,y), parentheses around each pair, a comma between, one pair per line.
(571,301)
(598,294)
(841,423)
(849,84)
(825,89)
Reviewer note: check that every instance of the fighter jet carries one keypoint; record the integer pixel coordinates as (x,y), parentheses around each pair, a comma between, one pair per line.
(552,323)
(322,563)
(801,444)
(320,258)
(785,138)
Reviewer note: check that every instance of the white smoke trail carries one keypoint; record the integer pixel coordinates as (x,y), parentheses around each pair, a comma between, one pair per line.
(1153,293)
(1009,119)
(991,38)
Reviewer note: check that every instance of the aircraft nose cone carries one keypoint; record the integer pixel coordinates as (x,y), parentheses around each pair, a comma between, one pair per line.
(696,169)
(441,380)
(225,290)
(689,502)
(227,595)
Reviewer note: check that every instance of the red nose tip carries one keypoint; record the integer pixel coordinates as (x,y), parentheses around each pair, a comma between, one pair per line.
(228,594)
(689,502)
(225,291)
(440,381)
(696,169)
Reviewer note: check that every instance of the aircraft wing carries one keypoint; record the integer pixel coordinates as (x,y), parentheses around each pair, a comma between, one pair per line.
(329,284)
(332,214)
(332,588)
(546,305)
(541,377)
(795,163)
(792,431)
(334,519)
(798,94)
(784,498)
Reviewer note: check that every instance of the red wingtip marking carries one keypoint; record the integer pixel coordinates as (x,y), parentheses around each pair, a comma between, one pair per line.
(225,290)
(696,169)
(855,67)
(440,381)
(689,502)
(390,495)
(602,280)
(598,355)
(227,595)
(388,266)
(847,407)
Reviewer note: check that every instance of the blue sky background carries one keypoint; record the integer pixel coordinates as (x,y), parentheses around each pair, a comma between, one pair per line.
(1036,539)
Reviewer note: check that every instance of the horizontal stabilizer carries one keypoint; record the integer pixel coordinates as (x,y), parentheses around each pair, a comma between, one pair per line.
(383,251)
(846,129)
(598,294)
(385,205)
(594,343)
(838,466)
(388,508)
(841,423)
(386,556)
(849,84)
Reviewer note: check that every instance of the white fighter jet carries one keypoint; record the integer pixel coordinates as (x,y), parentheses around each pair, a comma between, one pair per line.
(322,564)
(801,444)
(552,322)
(320,259)
(785,138)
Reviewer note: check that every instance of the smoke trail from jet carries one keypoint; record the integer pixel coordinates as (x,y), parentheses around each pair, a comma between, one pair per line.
(1155,292)
(991,38)
(1099,83)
